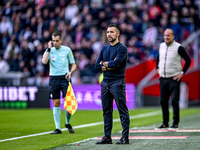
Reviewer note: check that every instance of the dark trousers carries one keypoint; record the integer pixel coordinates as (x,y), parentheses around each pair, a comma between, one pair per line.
(170,87)
(114,89)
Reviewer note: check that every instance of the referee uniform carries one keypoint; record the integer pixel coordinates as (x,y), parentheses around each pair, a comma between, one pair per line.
(59,61)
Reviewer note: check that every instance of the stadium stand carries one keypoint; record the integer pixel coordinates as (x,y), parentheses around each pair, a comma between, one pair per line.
(26,27)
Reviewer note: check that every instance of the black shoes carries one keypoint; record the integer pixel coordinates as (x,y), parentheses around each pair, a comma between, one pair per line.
(163,126)
(70,129)
(108,140)
(174,126)
(56,131)
(123,140)
(105,140)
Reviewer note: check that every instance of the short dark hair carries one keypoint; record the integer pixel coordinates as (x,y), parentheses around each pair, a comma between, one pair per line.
(114,25)
(57,33)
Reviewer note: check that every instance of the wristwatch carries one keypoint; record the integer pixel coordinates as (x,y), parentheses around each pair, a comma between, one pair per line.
(182,72)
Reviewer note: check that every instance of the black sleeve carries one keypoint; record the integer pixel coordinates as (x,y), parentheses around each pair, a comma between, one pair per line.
(157,61)
(98,66)
(185,56)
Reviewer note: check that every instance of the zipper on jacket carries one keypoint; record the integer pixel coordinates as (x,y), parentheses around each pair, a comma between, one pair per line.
(165,62)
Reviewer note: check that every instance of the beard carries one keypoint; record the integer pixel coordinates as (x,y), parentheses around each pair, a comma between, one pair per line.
(111,39)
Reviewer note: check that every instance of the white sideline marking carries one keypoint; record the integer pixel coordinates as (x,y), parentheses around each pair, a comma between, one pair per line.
(86,125)
(165,130)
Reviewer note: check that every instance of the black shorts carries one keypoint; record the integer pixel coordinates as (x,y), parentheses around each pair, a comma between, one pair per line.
(57,84)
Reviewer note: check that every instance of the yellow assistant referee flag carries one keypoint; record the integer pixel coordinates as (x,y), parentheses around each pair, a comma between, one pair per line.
(70,103)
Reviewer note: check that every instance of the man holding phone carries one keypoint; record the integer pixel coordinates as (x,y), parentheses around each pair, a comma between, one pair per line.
(60,58)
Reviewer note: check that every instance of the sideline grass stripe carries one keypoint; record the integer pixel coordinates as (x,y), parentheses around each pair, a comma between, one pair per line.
(149,137)
(87,125)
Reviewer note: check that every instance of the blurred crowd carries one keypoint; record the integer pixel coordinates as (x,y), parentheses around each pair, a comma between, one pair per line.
(26,27)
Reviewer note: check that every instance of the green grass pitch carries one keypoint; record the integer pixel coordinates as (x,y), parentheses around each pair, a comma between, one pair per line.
(22,122)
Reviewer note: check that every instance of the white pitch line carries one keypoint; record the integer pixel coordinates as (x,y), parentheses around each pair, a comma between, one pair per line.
(86,125)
